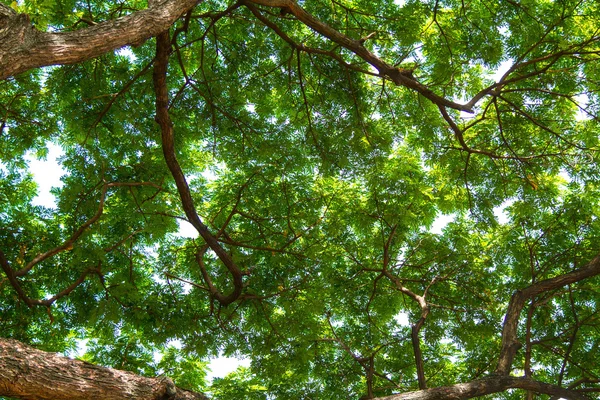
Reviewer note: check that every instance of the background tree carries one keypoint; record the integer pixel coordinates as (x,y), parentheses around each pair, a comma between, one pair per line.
(312,145)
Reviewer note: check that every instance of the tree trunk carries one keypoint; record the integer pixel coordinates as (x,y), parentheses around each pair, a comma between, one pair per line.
(28,373)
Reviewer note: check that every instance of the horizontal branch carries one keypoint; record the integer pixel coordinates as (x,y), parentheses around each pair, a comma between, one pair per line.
(489,385)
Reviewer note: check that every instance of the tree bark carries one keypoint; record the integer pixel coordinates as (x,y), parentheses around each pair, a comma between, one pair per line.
(28,373)
(23,47)
(163,47)
(489,385)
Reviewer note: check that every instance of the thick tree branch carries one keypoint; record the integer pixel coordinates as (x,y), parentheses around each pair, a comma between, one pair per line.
(32,374)
(23,47)
(28,373)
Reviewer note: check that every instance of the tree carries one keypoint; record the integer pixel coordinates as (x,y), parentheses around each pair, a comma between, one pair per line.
(315,147)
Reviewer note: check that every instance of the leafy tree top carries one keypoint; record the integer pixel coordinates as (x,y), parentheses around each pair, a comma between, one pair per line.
(313,145)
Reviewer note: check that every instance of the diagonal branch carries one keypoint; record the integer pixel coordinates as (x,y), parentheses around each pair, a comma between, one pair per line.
(29,373)
(68,244)
(5,266)
(23,47)
(416,328)
(163,48)
(489,385)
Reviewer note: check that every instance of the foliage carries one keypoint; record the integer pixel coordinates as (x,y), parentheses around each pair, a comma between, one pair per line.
(326,185)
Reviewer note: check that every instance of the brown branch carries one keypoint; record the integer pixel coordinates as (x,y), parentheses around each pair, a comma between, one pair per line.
(163,48)
(221,298)
(120,242)
(12,275)
(238,198)
(28,373)
(12,279)
(571,339)
(416,328)
(485,386)
(301,47)
(510,342)
(458,133)
(170,275)
(68,244)
(4,264)
(400,77)
(115,96)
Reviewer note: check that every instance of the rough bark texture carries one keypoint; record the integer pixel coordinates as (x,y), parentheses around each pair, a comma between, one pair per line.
(492,384)
(28,373)
(23,47)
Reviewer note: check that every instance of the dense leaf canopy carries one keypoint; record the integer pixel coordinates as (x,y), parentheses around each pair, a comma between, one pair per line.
(317,147)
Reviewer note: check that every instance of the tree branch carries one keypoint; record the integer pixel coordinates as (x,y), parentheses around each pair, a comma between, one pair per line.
(28,373)
(400,77)
(489,385)
(510,342)
(23,47)
(163,47)
(416,328)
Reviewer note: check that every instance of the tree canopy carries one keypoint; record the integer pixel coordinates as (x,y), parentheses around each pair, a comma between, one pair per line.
(316,147)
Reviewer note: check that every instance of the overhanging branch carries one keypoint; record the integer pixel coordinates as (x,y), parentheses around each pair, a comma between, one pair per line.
(163,47)
(23,47)
(399,76)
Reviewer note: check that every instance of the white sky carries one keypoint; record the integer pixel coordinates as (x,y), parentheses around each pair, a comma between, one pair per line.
(222,366)
(46,174)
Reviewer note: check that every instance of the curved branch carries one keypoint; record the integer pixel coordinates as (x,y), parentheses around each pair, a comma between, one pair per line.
(68,244)
(163,48)
(221,298)
(37,302)
(510,342)
(300,46)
